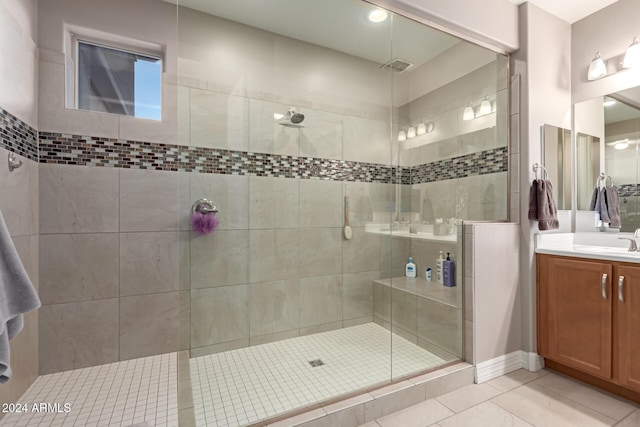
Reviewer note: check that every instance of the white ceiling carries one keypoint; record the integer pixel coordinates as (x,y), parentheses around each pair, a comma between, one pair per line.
(569,10)
(351,31)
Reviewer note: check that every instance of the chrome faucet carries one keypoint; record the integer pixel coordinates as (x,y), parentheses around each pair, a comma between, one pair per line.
(633,247)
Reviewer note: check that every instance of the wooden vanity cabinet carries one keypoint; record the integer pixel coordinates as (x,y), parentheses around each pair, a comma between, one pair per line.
(588,317)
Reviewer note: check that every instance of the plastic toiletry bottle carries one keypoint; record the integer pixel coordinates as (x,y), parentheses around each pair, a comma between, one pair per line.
(439,265)
(448,273)
(428,274)
(410,270)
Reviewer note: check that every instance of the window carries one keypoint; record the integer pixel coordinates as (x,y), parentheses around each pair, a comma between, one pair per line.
(118,81)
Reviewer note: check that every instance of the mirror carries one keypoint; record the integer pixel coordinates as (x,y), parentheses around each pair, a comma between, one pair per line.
(556,157)
(615,120)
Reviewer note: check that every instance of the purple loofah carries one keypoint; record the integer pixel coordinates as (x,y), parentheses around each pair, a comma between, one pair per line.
(203,223)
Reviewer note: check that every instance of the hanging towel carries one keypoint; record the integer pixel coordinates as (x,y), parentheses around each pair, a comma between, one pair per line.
(542,206)
(533,201)
(612,204)
(17,296)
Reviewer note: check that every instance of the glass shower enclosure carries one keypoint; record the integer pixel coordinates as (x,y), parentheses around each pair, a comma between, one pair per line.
(336,140)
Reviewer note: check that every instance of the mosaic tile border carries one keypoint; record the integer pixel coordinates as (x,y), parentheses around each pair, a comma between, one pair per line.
(17,136)
(69,149)
(628,190)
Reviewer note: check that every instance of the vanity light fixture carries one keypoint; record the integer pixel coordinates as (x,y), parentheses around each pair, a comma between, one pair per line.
(378,15)
(597,68)
(468,113)
(485,107)
(412,132)
(632,55)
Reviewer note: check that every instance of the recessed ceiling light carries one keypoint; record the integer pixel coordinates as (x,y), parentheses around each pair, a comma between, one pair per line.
(621,145)
(608,103)
(378,15)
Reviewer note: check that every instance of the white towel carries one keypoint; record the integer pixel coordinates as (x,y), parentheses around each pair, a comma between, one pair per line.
(17,296)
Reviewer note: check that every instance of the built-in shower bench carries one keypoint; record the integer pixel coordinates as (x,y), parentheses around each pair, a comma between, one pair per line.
(425,313)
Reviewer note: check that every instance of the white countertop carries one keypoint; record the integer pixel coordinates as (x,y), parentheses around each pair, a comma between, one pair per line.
(604,246)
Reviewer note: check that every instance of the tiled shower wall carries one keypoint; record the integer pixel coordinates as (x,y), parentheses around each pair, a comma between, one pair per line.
(19,189)
(123,277)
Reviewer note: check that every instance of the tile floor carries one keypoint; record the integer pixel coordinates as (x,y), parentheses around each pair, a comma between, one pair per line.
(521,399)
(119,394)
(244,386)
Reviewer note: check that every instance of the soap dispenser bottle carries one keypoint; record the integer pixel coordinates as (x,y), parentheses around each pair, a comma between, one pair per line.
(448,274)
(439,265)
(410,270)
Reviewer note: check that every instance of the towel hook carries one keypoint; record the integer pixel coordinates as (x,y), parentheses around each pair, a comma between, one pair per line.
(535,168)
(13,162)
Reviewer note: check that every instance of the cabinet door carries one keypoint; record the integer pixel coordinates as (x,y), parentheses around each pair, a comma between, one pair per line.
(580,315)
(627,295)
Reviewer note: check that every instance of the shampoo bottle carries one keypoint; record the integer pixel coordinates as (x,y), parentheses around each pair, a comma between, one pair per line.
(448,274)
(439,265)
(410,270)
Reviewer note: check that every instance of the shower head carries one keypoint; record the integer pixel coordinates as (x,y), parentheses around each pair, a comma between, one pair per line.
(292,119)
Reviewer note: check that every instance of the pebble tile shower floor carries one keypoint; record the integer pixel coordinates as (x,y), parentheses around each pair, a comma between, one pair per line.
(233,388)
(245,386)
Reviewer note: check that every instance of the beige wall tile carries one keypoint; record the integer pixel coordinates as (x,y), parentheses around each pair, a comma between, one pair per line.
(440,324)
(361,252)
(320,251)
(78,267)
(76,199)
(278,336)
(404,311)
(219,120)
(19,201)
(220,258)
(77,335)
(219,348)
(357,294)
(274,307)
(274,202)
(317,329)
(148,200)
(358,131)
(266,135)
(219,315)
(382,302)
(149,262)
(321,203)
(321,135)
(273,254)
(148,325)
(320,300)
(230,194)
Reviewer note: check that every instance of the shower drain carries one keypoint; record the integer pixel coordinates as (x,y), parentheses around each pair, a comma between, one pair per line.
(316,363)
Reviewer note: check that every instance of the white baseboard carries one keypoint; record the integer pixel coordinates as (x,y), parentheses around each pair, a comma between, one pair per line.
(501,365)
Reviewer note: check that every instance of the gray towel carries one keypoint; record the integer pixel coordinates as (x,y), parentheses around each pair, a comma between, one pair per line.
(599,204)
(533,201)
(612,204)
(542,206)
(17,296)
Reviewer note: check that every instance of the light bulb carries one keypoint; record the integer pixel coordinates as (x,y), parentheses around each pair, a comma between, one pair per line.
(468,113)
(597,68)
(411,132)
(422,129)
(402,136)
(632,56)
